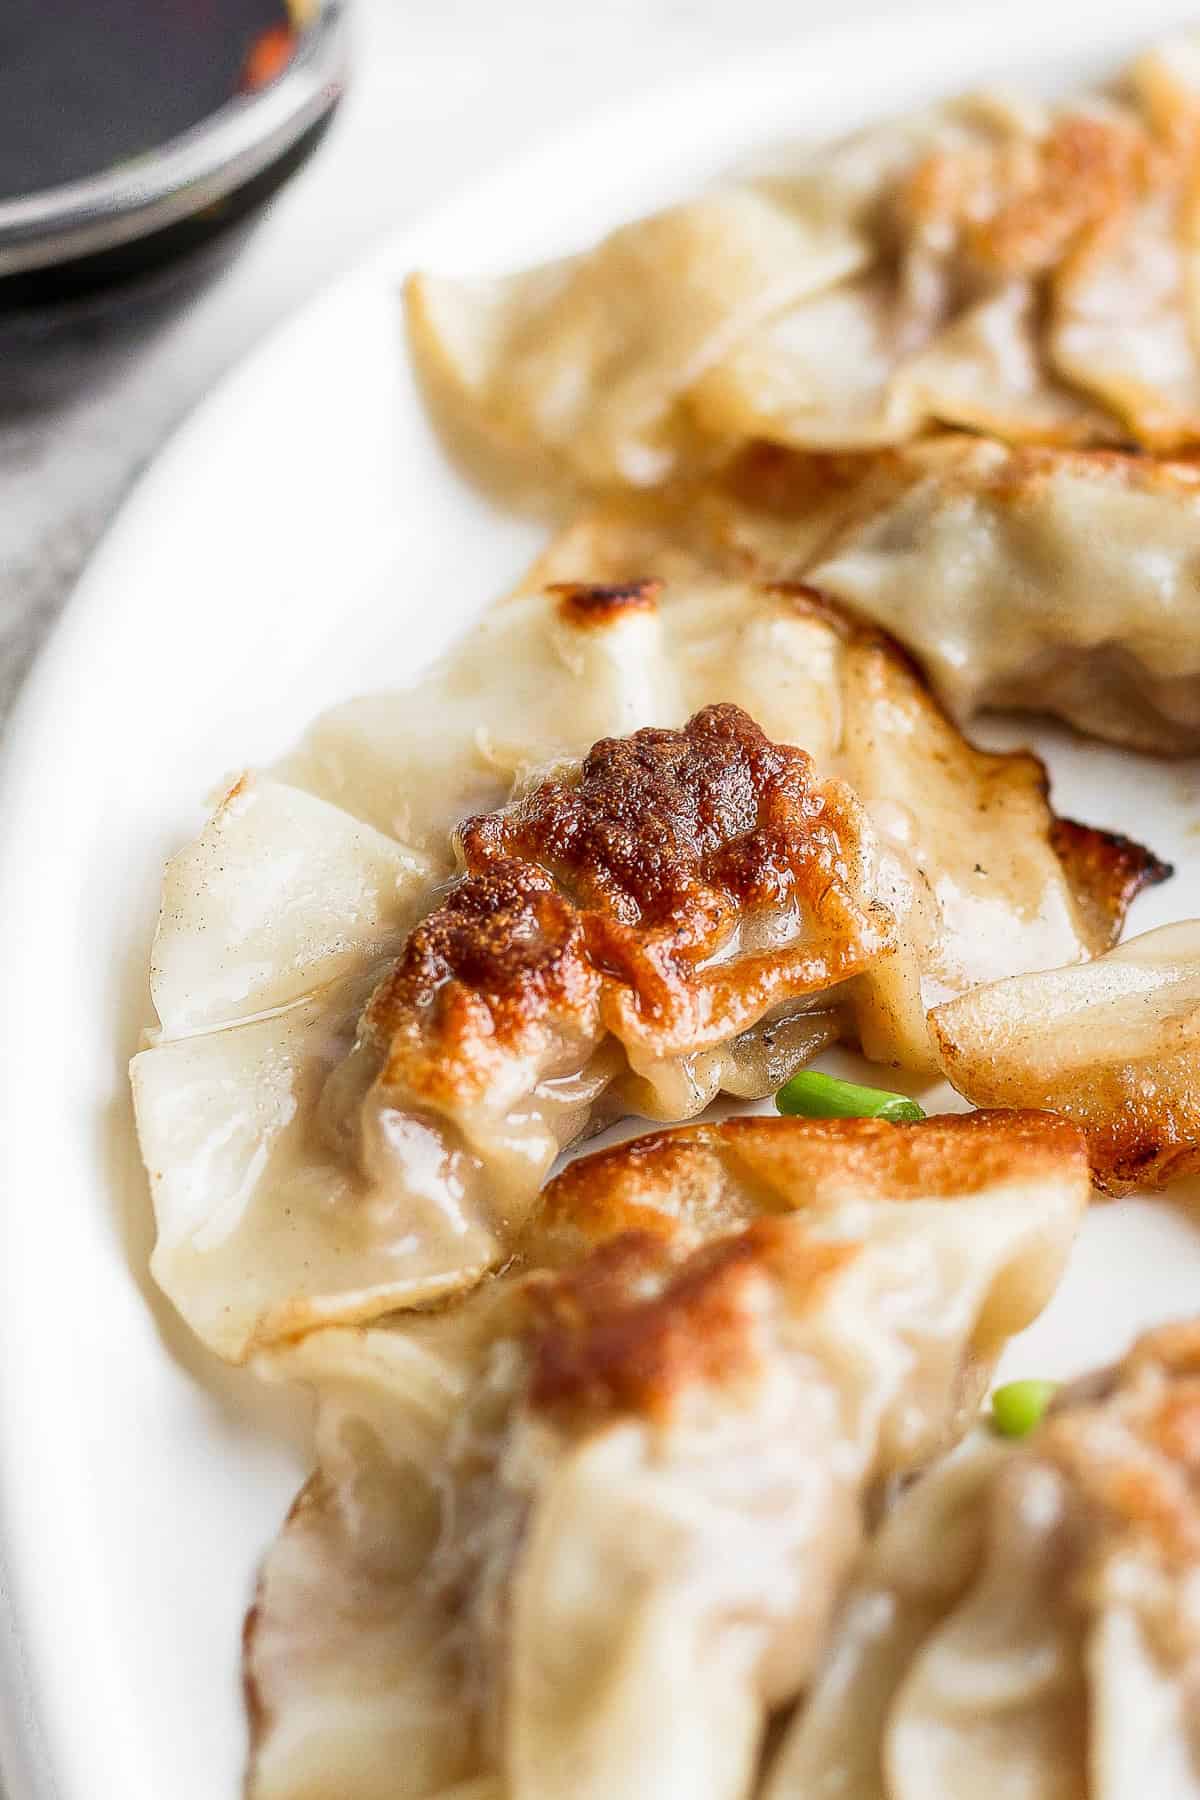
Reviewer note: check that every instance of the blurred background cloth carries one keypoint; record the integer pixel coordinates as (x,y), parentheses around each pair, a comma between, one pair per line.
(440,89)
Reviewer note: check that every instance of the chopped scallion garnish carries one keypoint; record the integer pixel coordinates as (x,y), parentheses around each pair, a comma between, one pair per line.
(811,1095)
(1019,1406)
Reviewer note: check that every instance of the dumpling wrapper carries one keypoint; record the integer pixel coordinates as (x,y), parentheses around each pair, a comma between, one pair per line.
(1024,1622)
(682,913)
(533,680)
(946,327)
(275,923)
(1065,582)
(279,895)
(583,1531)
(1113,1045)
(586,359)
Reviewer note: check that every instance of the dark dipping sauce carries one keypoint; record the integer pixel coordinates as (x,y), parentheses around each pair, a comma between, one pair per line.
(87,84)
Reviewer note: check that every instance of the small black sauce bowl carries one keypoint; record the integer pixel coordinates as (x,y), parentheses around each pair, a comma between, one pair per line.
(88,237)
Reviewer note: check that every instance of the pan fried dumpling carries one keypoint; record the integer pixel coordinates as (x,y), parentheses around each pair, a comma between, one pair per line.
(581,1532)
(684,912)
(1025,1621)
(984,236)
(986,880)
(1058,581)
(996,265)
(1113,1044)
(642,612)
(586,359)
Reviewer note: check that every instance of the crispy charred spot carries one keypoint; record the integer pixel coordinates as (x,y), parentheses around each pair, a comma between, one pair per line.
(662,823)
(597,606)
(1106,872)
(1144,1145)
(631,1329)
(503,952)
(613,887)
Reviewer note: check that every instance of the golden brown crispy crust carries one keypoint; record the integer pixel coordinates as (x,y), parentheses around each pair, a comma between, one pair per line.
(596,902)
(631,1328)
(669,1182)
(1106,872)
(1130,1445)
(1138,1140)
(479,978)
(600,604)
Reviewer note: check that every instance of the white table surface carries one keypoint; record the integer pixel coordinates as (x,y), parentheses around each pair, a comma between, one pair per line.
(440,90)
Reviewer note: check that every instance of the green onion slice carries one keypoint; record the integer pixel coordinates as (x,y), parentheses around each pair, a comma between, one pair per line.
(811,1095)
(1019,1406)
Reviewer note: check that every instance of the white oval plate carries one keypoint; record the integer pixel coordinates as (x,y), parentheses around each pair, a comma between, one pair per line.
(301,539)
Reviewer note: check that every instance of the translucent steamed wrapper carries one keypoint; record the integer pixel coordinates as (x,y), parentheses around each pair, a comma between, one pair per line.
(682,913)
(587,359)
(1113,1045)
(1064,582)
(1025,1620)
(581,1533)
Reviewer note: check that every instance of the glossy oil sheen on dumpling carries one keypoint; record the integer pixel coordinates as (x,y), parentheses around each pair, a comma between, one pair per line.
(1113,1045)
(1025,1623)
(584,1530)
(684,912)
(1002,265)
